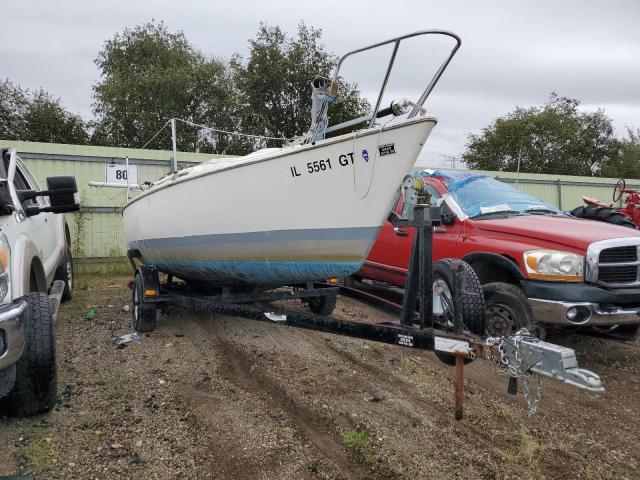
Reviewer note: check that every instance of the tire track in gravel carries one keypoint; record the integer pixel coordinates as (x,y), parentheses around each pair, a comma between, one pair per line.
(247,374)
(395,386)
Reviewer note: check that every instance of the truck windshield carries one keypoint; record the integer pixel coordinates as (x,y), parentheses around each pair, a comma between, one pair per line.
(482,196)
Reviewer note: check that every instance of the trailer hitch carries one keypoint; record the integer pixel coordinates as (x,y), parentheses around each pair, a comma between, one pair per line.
(523,355)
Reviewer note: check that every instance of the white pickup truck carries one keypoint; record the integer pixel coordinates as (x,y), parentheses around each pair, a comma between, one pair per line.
(36,273)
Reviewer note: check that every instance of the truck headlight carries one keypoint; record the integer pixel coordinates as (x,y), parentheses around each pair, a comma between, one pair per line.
(5,261)
(554,265)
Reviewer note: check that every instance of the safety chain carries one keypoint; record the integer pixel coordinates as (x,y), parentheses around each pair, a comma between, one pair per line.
(510,364)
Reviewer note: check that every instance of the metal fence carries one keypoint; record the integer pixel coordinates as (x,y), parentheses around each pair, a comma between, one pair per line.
(564,192)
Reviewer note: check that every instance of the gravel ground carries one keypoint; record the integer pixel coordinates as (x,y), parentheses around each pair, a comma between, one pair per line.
(217,397)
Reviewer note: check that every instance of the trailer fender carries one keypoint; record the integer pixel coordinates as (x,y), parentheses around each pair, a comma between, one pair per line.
(150,282)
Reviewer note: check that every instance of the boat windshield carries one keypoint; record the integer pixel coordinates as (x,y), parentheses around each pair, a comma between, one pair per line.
(482,196)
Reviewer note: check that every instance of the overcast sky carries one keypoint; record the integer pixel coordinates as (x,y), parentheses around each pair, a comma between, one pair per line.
(513,52)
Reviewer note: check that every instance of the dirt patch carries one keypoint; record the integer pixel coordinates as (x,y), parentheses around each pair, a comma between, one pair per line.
(212,396)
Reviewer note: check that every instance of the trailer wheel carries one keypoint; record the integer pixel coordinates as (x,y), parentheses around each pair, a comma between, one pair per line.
(144,314)
(603,214)
(322,305)
(473,308)
(35,385)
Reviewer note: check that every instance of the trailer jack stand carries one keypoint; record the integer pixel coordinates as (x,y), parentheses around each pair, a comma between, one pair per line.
(459,382)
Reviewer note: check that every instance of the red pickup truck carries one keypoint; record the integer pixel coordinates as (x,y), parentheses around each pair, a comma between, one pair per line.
(537,265)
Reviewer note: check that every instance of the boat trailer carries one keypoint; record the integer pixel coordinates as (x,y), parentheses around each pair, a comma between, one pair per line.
(518,355)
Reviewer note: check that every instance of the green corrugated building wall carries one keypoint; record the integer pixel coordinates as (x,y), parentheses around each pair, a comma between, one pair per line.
(97,228)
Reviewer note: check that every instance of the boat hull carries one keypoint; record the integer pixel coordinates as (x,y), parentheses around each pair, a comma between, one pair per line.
(281,217)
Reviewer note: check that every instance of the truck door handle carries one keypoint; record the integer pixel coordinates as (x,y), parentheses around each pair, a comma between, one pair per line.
(439,230)
(400,233)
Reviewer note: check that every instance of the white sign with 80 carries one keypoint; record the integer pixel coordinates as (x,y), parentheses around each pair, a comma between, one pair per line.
(118,174)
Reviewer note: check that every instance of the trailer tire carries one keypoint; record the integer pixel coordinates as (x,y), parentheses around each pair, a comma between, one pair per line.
(508,309)
(473,303)
(322,305)
(35,385)
(603,214)
(143,314)
(472,300)
(66,273)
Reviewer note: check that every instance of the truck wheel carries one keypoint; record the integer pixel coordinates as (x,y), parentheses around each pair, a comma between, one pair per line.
(34,390)
(65,273)
(627,333)
(322,305)
(473,310)
(144,314)
(508,309)
(603,214)
(7,380)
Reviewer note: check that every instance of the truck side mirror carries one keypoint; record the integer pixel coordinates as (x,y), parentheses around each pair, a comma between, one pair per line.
(448,219)
(62,192)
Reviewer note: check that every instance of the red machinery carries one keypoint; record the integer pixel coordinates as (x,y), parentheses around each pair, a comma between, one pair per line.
(627,216)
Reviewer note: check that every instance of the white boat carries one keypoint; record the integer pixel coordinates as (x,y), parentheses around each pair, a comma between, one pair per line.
(283,216)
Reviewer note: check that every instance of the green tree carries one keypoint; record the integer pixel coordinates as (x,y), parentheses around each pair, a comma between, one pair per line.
(13,106)
(48,121)
(556,138)
(274,83)
(37,117)
(627,164)
(149,75)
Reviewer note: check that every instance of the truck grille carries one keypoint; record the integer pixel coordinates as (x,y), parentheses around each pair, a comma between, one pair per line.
(619,274)
(619,254)
(618,266)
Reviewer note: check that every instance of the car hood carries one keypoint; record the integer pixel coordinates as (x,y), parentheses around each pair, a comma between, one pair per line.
(572,232)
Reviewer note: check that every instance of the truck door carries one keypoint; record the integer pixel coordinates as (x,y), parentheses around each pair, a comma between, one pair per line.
(398,241)
(446,237)
(42,227)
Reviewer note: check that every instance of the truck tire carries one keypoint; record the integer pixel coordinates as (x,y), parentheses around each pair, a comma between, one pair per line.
(65,273)
(508,309)
(603,214)
(144,314)
(322,305)
(473,308)
(628,333)
(7,380)
(35,387)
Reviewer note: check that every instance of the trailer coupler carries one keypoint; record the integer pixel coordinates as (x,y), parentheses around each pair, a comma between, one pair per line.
(523,355)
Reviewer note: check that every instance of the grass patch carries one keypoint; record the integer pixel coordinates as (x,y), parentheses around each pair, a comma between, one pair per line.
(37,452)
(118,391)
(406,365)
(94,420)
(359,440)
(528,446)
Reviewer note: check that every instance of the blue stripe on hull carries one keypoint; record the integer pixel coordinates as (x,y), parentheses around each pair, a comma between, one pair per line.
(263,273)
(269,236)
(277,257)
